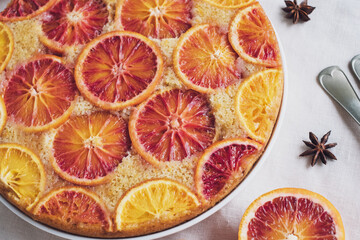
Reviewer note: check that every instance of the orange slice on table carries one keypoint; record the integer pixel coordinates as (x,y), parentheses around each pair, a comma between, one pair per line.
(291,213)
(18,10)
(22,175)
(258,101)
(118,69)
(40,94)
(153,18)
(6,45)
(222,166)
(74,207)
(87,149)
(204,59)
(72,23)
(3,114)
(171,126)
(253,37)
(155,200)
(230,3)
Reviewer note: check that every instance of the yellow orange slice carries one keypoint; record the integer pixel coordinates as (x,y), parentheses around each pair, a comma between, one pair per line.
(18,10)
(253,37)
(230,3)
(72,23)
(204,59)
(223,165)
(40,94)
(291,213)
(87,149)
(171,126)
(3,114)
(118,69)
(153,18)
(6,45)
(74,209)
(159,200)
(22,175)
(257,103)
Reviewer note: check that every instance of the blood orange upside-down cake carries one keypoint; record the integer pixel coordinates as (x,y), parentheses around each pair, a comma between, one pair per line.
(122,118)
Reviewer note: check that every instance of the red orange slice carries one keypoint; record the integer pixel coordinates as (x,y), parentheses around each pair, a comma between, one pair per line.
(74,22)
(40,94)
(223,165)
(118,69)
(153,18)
(291,213)
(253,38)
(87,149)
(75,209)
(204,59)
(18,10)
(171,126)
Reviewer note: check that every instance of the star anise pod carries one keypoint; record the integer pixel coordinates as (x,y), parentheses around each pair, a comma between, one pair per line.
(319,149)
(297,12)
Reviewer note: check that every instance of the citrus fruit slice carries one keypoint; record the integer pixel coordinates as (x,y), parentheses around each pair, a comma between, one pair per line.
(118,69)
(6,45)
(40,94)
(3,114)
(155,200)
(156,19)
(230,3)
(22,175)
(18,10)
(253,37)
(171,126)
(223,165)
(291,213)
(87,149)
(74,208)
(74,22)
(257,103)
(204,59)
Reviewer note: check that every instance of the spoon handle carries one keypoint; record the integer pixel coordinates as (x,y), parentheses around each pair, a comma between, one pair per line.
(335,82)
(355,65)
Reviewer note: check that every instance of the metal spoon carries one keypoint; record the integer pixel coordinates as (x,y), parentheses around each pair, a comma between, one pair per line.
(335,82)
(355,65)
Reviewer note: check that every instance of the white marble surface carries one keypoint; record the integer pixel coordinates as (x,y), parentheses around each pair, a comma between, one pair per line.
(332,37)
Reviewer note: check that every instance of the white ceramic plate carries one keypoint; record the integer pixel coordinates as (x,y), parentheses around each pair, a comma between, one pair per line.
(195,220)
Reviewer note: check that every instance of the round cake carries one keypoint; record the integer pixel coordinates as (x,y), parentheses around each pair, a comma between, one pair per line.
(123,118)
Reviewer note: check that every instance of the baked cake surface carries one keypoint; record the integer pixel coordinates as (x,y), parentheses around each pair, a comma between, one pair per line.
(224,118)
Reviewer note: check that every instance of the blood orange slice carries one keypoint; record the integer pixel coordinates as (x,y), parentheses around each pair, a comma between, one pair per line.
(6,45)
(74,209)
(253,38)
(87,149)
(204,59)
(18,10)
(118,69)
(74,22)
(159,200)
(291,213)
(40,94)
(230,3)
(223,165)
(156,19)
(171,126)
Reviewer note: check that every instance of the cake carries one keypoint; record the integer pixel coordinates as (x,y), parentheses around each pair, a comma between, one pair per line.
(123,118)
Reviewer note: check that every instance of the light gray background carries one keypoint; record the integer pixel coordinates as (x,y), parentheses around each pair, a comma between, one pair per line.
(332,37)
